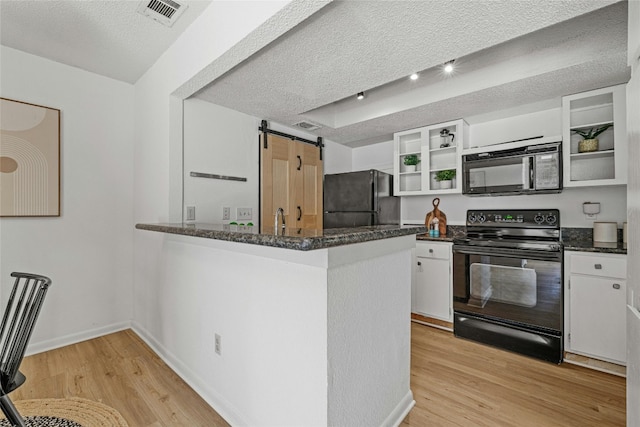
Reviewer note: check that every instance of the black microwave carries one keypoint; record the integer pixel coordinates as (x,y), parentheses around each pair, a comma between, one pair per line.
(523,169)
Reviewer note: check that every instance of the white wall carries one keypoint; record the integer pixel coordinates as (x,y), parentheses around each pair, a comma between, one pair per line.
(88,250)
(376,156)
(337,158)
(158,137)
(633,196)
(613,206)
(162,270)
(220,141)
(273,338)
(369,337)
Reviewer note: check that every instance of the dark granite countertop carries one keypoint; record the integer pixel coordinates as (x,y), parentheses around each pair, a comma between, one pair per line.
(573,239)
(293,238)
(581,240)
(453,232)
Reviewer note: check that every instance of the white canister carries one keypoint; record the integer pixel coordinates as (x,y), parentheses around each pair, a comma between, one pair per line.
(605,232)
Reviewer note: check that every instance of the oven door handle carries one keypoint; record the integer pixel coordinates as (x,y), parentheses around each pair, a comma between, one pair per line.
(507,253)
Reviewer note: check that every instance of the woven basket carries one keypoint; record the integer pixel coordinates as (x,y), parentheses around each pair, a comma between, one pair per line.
(588,145)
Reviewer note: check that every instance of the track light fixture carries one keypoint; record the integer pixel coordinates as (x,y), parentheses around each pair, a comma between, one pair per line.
(360,95)
(414,76)
(448,66)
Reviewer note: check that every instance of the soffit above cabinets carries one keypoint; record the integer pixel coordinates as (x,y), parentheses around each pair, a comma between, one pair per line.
(508,54)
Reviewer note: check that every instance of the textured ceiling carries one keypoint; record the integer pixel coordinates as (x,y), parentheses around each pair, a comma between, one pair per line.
(508,53)
(105,37)
(308,61)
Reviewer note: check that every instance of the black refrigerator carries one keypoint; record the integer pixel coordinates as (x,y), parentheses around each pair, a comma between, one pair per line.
(356,199)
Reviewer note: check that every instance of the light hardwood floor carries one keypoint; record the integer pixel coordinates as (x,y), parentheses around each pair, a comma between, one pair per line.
(119,370)
(455,383)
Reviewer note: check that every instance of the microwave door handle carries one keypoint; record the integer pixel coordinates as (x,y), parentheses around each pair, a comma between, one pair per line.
(532,171)
(526,173)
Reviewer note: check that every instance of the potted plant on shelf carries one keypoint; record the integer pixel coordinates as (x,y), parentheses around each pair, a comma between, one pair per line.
(411,162)
(444,177)
(589,141)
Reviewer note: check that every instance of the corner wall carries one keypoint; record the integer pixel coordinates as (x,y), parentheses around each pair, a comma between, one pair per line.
(88,250)
(181,71)
(222,141)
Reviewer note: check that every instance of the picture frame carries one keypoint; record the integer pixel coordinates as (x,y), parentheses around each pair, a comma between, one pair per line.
(29,160)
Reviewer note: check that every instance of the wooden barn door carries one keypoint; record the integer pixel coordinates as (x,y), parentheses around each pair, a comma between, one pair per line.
(291,179)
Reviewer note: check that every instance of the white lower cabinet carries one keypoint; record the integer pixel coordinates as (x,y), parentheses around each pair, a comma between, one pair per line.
(596,297)
(432,284)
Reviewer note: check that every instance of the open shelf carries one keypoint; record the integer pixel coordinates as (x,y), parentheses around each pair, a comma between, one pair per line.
(591,110)
(591,125)
(443,169)
(593,154)
(432,156)
(444,149)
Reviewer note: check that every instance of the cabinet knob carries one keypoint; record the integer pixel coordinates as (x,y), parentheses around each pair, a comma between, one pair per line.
(419,263)
(598,266)
(430,251)
(616,286)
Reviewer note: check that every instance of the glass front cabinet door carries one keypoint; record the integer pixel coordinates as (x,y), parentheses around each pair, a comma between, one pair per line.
(595,137)
(428,160)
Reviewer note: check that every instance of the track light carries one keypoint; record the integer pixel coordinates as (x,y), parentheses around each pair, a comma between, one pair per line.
(448,66)
(360,95)
(414,76)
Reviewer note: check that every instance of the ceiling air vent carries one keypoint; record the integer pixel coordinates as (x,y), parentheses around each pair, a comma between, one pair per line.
(165,12)
(307,125)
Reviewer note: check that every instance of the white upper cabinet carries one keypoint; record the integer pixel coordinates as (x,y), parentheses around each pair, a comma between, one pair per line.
(591,163)
(438,151)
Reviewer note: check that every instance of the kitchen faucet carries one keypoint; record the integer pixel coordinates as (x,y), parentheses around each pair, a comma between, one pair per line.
(279,211)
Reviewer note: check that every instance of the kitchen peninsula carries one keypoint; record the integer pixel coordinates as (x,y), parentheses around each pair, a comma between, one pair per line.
(308,327)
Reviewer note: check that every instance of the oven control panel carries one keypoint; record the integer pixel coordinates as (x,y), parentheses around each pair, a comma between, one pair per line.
(549,218)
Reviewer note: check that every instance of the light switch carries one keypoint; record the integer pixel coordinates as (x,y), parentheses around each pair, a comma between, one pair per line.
(191,213)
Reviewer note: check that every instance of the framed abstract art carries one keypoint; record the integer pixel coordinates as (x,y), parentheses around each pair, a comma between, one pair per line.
(29,160)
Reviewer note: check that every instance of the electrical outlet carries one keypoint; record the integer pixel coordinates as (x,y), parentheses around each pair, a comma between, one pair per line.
(218,344)
(244,213)
(226,213)
(191,213)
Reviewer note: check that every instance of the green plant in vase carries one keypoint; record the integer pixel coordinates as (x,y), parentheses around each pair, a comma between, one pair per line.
(444,177)
(411,161)
(589,141)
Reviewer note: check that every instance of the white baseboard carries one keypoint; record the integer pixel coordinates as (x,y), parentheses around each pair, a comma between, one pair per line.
(214,399)
(401,410)
(224,408)
(41,346)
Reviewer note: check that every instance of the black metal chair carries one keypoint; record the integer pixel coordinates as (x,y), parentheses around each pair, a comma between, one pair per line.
(17,324)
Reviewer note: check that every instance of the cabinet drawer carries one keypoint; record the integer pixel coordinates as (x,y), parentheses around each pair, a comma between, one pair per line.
(433,250)
(599,266)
